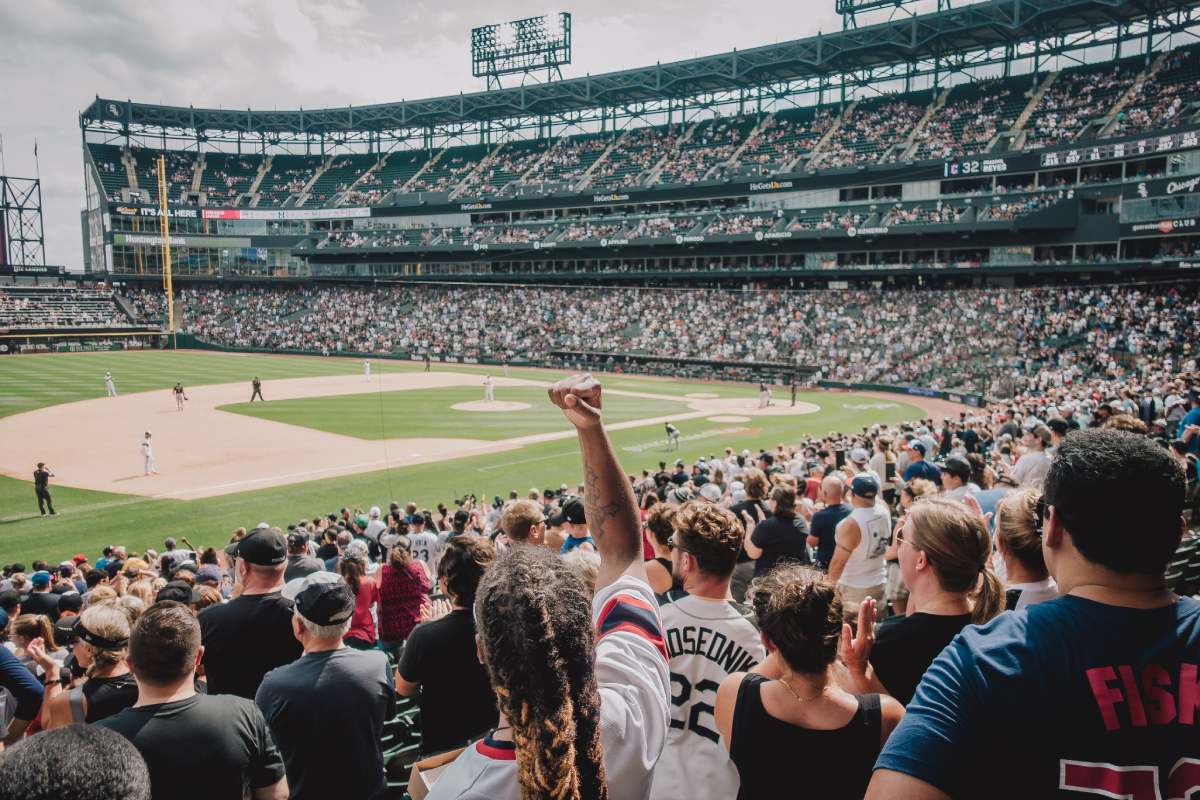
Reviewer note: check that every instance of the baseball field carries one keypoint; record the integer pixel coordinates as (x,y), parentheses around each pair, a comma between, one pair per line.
(327,436)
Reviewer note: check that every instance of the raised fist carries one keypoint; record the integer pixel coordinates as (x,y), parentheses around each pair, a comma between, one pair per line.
(579,398)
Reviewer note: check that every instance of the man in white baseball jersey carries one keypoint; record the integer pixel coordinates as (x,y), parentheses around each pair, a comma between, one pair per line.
(148,456)
(764,394)
(367,369)
(109,387)
(489,389)
(709,637)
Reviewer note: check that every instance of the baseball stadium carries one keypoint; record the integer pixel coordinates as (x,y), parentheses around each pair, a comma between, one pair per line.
(895,325)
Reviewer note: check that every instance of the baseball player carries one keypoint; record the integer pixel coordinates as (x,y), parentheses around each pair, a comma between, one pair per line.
(109,387)
(489,389)
(257,386)
(41,485)
(179,396)
(764,394)
(367,369)
(427,362)
(148,456)
(672,436)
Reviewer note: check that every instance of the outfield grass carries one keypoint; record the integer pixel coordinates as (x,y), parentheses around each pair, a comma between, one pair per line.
(428,413)
(88,520)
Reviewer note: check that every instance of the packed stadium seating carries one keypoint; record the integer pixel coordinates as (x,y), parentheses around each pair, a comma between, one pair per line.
(59,308)
(1084,102)
(1036,335)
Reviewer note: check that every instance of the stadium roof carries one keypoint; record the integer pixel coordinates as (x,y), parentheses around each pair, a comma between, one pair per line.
(980,26)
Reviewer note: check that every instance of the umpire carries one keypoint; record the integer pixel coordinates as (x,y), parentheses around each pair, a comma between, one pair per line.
(41,484)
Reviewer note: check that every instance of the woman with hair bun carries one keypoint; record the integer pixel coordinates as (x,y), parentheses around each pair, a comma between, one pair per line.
(945,558)
(765,723)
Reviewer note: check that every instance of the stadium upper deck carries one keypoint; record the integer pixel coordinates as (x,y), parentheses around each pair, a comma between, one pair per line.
(780,148)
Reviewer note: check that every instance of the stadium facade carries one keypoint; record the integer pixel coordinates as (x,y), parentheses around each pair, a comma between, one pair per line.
(999,142)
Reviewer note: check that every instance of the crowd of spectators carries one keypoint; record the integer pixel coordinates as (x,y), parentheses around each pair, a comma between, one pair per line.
(1159,103)
(1074,100)
(868,134)
(45,307)
(902,601)
(968,125)
(1071,333)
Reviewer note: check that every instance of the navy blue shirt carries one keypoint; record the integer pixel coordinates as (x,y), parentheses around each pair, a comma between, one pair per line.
(824,527)
(1075,696)
(923,469)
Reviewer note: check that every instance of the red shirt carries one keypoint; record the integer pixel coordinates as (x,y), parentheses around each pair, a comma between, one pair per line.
(362,626)
(402,592)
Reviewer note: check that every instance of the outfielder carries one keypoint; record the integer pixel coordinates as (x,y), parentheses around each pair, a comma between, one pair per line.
(179,396)
(489,389)
(672,436)
(109,387)
(148,456)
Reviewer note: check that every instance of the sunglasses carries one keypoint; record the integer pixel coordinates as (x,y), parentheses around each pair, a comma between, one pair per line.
(673,545)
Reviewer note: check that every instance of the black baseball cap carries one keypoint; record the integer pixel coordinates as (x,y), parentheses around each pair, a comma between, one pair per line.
(572,511)
(65,633)
(263,546)
(958,467)
(322,598)
(865,485)
(461,517)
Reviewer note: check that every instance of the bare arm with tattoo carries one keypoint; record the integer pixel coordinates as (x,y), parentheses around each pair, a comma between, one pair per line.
(610,508)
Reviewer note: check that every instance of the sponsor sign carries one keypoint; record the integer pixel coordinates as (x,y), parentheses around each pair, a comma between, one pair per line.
(611,197)
(544,245)
(475,206)
(1163,227)
(770,186)
(613,242)
(681,239)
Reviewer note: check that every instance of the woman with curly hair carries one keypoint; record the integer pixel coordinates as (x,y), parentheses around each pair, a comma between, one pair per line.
(581,683)
(765,723)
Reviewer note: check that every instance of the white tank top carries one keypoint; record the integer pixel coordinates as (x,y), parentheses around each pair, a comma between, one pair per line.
(865,567)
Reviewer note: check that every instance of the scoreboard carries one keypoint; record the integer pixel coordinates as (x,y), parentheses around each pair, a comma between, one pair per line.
(1075,156)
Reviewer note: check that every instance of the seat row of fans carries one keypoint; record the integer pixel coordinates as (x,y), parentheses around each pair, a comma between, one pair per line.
(724,221)
(1088,102)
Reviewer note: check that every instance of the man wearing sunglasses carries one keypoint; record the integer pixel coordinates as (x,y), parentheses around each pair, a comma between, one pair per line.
(1093,694)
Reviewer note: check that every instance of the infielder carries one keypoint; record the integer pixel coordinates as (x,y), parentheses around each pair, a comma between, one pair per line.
(367,369)
(109,387)
(148,456)
(179,396)
(427,362)
(256,384)
(489,389)
(672,436)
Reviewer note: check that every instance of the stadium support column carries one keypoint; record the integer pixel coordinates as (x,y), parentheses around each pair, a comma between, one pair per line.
(164,226)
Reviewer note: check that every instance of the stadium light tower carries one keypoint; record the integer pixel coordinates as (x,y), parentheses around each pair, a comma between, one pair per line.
(22,239)
(850,9)
(524,47)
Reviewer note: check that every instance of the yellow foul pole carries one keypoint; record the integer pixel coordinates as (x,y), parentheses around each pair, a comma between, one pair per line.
(164,226)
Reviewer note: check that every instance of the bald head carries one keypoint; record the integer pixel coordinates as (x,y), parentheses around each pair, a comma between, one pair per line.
(833,490)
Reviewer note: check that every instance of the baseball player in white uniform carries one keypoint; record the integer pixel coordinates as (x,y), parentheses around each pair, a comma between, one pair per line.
(109,387)
(367,369)
(489,389)
(764,395)
(148,456)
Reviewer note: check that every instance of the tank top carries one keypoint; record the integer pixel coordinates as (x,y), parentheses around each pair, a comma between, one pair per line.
(865,568)
(666,564)
(105,697)
(764,749)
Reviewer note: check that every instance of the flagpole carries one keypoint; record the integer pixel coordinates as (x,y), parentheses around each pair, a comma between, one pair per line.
(3,169)
(37,166)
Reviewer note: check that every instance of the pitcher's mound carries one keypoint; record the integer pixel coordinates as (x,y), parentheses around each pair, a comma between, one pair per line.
(492,405)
